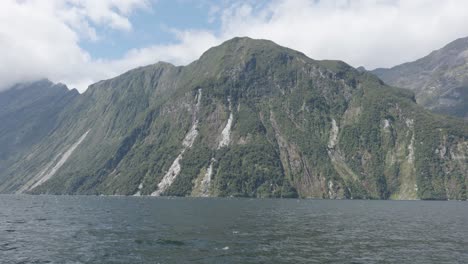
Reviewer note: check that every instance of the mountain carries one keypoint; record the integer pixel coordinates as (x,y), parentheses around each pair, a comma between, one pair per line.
(439,80)
(253,119)
(28,113)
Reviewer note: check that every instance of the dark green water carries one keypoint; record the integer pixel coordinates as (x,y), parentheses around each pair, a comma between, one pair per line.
(77,229)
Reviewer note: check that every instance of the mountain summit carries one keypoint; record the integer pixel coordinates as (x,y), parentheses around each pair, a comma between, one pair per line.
(439,80)
(249,118)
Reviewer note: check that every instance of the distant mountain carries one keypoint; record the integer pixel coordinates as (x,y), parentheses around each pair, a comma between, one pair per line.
(28,113)
(249,118)
(440,80)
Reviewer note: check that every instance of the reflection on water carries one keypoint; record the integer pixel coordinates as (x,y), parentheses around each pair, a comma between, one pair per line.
(80,229)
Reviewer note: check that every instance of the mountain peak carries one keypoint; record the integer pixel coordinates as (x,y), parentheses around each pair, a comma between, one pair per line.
(241,50)
(460,44)
(240,47)
(248,42)
(439,79)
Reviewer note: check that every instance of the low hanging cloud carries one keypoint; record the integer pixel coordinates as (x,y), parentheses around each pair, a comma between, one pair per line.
(42,40)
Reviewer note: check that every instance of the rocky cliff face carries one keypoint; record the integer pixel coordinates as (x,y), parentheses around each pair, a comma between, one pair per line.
(439,80)
(249,118)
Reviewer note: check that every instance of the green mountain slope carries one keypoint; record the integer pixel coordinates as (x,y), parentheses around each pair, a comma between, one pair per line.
(249,118)
(439,80)
(28,113)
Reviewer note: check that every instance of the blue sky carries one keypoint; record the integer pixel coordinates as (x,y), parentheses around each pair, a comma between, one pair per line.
(153,26)
(79,42)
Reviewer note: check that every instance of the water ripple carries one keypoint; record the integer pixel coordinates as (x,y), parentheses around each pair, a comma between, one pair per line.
(68,229)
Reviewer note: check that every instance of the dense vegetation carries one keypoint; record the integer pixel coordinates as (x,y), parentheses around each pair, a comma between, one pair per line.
(298,128)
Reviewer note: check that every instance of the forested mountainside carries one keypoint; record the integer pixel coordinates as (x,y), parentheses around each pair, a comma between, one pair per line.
(249,118)
(439,80)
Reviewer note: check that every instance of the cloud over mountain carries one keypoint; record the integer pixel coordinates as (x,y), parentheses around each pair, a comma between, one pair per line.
(42,38)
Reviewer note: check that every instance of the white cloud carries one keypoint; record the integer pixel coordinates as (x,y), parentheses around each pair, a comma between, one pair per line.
(111,12)
(373,33)
(39,39)
(188,47)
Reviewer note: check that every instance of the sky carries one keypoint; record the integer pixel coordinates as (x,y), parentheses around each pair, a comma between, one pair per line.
(79,42)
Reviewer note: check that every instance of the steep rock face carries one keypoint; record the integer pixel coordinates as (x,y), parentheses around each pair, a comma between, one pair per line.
(249,118)
(439,80)
(28,113)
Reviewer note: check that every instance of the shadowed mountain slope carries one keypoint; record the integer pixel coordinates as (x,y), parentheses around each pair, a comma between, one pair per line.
(28,113)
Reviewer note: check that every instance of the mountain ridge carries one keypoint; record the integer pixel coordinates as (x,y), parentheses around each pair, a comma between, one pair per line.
(249,118)
(438,79)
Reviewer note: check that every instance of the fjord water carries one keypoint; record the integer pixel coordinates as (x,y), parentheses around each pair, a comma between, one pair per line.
(92,229)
